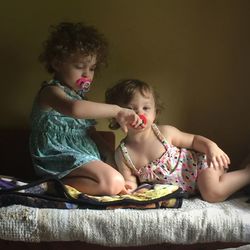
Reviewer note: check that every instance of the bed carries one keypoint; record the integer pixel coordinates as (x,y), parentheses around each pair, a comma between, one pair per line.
(195,225)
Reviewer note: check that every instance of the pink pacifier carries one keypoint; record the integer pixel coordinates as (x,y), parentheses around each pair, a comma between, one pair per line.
(84,84)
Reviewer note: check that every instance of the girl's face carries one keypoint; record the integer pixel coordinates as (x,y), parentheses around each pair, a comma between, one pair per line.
(75,67)
(143,105)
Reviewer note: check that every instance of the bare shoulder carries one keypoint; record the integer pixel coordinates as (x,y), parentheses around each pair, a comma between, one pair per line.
(167,130)
(48,95)
(51,91)
(176,136)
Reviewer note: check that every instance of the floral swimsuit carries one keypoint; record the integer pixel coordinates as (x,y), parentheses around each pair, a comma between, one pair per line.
(176,166)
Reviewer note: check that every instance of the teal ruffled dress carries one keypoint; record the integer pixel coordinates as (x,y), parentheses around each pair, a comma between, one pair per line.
(58,143)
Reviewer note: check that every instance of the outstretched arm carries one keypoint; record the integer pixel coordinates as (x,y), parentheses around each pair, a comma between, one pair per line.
(216,157)
(55,98)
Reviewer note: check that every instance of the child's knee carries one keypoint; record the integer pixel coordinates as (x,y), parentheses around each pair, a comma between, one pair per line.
(208,184)
(114,185)
(212,195)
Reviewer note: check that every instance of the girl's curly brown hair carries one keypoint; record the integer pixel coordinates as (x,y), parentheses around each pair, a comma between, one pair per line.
(67,38)
(122,93)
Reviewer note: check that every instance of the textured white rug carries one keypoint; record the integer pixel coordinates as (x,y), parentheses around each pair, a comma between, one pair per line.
(196,222)
(245,247)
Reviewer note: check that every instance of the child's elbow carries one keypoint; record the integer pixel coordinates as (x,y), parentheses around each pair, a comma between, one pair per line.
(76,110)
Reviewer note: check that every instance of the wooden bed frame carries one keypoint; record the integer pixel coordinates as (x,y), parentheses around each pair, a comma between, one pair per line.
(15,161)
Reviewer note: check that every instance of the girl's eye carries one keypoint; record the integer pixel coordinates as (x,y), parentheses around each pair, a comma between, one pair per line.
(146,108)
(79,66)
(93,67)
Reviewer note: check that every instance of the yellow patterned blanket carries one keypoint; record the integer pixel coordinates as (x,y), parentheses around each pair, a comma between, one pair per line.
(145,196)
(52,193)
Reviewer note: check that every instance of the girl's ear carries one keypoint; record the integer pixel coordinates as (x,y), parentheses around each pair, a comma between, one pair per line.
(55,65)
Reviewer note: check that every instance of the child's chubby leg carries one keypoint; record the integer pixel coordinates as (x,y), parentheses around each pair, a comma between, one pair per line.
(96,178)
(216,185)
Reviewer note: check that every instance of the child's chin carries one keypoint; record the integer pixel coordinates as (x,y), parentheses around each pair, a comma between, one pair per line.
(139,129)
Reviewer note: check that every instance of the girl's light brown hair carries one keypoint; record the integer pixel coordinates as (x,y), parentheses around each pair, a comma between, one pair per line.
(123,91)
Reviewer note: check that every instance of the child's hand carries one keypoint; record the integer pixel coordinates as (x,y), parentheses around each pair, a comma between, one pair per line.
(143,122)
(128,117)
(127,189)
(217,158)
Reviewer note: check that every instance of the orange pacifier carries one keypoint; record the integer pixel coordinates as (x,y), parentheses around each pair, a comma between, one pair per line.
(143,121)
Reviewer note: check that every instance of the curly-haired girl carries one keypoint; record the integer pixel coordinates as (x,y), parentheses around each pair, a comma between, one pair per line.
(61,117)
